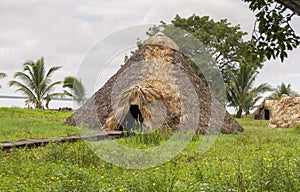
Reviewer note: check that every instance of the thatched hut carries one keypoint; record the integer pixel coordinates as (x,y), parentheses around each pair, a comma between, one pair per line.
(265,110)
(149,89)
(282,113)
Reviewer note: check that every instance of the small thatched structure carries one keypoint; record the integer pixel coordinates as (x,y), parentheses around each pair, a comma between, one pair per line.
(283,112)
(265,109)
(150,88)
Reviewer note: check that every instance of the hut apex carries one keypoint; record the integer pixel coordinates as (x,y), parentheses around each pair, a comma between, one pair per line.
(161,39)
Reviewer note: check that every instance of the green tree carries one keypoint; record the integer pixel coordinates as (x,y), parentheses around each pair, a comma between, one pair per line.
(35,82)
(240,90)
(273,35)
(219,38)
(251,101)
(76,89)
(2,75)
(281,90)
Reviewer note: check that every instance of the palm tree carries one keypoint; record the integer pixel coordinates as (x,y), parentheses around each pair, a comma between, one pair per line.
(76,89)
(240,91)
(36,83)
(2,75)
(282,89)
(252,100)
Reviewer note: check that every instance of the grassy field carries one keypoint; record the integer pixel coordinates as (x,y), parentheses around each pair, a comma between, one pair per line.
(260,159)
(18,124)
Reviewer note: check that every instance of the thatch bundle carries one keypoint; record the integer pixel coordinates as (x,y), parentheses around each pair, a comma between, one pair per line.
(153,88)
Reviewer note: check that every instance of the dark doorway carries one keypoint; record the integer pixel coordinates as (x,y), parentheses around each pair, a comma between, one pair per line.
(267,114)
(132,120)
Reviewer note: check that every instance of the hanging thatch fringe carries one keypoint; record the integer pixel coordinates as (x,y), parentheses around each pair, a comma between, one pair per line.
(144,95)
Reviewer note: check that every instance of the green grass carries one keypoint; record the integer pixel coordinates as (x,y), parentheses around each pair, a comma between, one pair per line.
(260,159)
(18,124)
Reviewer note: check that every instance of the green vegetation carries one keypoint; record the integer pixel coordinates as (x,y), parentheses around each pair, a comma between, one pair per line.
(260,159)
(281,90)
(273,35)
(241,92)
(19,124)
(221,39)
(2,75)
(76,89)
(36,83)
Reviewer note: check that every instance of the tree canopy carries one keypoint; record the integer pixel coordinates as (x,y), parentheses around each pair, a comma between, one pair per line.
(273,35)
(281,90)
(241,93)
(220,38)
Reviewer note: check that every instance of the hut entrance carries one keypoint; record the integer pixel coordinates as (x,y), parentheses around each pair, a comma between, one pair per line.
(267,114)
(133,119)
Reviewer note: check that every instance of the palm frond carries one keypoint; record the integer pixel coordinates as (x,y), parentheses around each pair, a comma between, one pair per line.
(25,78)
(69,82)
(52,70)
(77,90)
(22,88)
(57,95)
(68,94)
(2,75)
(50,87)
(282,89)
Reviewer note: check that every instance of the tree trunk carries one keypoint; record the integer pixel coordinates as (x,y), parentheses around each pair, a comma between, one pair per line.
(239,113)
(293,5)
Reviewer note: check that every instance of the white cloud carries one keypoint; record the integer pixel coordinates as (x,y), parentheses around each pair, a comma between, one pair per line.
(295,75)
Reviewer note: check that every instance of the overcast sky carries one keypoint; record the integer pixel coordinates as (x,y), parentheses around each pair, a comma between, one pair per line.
(64,31)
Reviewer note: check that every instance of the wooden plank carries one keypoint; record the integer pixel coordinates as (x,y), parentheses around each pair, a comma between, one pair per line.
(31,143)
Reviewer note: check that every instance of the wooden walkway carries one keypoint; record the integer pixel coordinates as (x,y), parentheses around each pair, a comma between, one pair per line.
(31,143)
